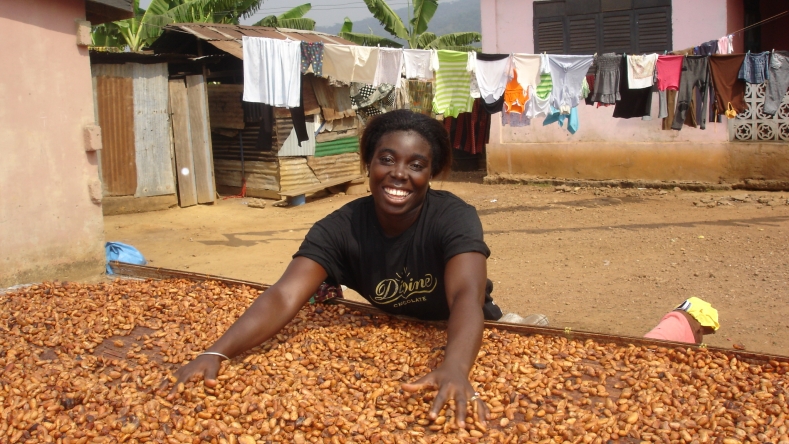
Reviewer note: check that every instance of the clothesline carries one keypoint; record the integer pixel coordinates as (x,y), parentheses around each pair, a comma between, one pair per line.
(528,85)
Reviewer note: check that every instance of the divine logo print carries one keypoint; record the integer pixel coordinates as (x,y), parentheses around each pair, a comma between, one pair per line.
(403,289)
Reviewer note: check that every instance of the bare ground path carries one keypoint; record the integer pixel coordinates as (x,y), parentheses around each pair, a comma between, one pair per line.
(606,260)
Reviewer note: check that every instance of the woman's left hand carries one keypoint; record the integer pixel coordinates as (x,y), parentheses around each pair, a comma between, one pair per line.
(451,384)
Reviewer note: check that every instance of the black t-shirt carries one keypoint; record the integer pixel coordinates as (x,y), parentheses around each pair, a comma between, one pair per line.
(402,275)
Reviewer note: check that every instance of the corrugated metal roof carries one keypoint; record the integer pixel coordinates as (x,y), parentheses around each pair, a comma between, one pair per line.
(227,37)
(334,167)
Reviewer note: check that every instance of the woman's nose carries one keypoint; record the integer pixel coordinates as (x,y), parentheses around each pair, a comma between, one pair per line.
(399,171)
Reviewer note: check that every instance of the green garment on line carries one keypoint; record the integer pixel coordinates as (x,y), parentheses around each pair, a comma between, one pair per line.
(453,84)
(545,87)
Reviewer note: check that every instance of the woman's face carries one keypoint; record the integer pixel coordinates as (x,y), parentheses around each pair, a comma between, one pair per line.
(400,173)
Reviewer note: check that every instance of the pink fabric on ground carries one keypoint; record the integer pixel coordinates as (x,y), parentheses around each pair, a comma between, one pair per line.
(673,327)
(669,70)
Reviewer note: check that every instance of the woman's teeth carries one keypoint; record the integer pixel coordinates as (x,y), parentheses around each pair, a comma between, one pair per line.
(396,192)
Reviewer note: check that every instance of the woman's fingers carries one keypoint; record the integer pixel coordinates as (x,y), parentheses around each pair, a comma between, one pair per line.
(206,368)
(425,382)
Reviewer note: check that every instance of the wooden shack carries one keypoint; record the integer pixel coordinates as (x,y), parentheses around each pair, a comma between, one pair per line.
(241,159)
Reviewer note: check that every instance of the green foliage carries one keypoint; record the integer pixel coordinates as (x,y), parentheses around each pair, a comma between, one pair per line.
(416,33)
(369,39)
(146,26)
(292,19)
(347,25)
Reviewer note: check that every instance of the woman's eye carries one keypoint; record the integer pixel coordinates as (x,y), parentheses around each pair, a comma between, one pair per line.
(386,160)
(417,166)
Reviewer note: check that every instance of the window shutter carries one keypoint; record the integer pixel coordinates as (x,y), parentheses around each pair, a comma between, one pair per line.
(654,30)
(549,36)
(617,30)
(583,35)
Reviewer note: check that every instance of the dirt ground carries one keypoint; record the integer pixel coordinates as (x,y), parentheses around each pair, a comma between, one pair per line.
(596,259)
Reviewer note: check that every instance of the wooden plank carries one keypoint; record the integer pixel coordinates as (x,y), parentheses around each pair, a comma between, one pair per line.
(152,131)
(318,187)
(184,164)
(201,139)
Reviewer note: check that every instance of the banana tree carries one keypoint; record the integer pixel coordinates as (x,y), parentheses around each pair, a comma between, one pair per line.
(415,34)
(370,39)
(136,32)
(146,26)
(293,19)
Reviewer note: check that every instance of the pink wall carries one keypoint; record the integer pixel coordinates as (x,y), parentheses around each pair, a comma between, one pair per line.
(698,21)
(507,26)
(49,227)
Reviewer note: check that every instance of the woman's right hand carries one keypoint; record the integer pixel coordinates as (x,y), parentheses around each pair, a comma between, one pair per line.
(205,366)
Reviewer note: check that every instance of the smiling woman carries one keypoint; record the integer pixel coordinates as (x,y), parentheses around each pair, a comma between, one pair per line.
(407,249)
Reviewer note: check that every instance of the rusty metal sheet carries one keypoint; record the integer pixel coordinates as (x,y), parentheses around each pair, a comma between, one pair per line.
(335,166)
(224,106)
(115,110)
(233,47)
(294,173)
(259,175)
(152,132)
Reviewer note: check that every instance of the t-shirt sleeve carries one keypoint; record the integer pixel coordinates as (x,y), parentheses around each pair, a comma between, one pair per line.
(323,244)
(461,231)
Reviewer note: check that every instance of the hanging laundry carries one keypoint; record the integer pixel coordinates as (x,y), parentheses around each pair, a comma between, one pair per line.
(669,71)
(606,78)
(369,101)
(334,101)
(347,63)
(706,48)
(527,66)
(272,73)
(633,102)
(567,72)
(585,91)
(538,105)
(469,131)
(493,71)
(545,87)
(728,88)
(695,74)
(776,86)
(641,70)
(755,68)
(390,67)
(312,58)
(557,116)
(515,97)
(452,84)
(420,63)
(421,97)
(725,45)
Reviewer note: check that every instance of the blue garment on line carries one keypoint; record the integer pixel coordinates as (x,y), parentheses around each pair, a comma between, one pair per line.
(116,251)
(557,116)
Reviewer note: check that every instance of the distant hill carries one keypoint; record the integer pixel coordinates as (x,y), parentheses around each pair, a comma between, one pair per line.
(457,16)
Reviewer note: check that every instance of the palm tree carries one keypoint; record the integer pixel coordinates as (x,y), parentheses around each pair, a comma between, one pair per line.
(416,33)
(293,19)
(146,25)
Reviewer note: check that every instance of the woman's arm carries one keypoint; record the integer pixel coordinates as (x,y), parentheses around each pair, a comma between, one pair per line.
(270,312)
(465,277)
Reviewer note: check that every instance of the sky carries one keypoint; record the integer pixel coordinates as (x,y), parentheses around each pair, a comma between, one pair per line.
(324,12)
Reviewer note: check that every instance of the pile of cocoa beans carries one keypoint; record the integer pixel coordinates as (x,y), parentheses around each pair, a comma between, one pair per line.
(93,363)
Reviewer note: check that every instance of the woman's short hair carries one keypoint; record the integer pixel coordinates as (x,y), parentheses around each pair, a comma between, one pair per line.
(405,120)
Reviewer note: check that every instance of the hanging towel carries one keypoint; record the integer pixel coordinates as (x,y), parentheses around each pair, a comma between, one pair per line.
(567,73)
(452,84)
(641,70)
(527,66)
(557,116)
(419,63)
(348,63)
(492,73)
(272,73)
(390,66)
